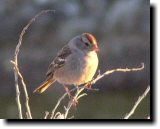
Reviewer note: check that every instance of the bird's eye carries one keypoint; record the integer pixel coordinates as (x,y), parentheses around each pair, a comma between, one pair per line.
(86,43)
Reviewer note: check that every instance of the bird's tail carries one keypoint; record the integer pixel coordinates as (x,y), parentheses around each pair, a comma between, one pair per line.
(44,86)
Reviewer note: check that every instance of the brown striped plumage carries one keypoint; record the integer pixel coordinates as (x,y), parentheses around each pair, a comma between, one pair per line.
(76,63)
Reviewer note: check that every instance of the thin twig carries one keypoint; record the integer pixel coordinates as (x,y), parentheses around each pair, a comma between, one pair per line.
(137,103)
(16,70)
(25,90)
(18,96)
(24,30)
(78,94)
(27,115)
(116,70)
(74,100)
(59,115)
(58,103)
(17,91)
(46,115)
(68,108)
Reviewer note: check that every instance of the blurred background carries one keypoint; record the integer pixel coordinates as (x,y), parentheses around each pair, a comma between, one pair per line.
(122,29)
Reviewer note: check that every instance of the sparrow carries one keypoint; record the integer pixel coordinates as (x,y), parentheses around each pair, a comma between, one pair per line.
(75,64)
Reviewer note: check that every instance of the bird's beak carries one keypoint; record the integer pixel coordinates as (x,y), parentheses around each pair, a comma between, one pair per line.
(96,49)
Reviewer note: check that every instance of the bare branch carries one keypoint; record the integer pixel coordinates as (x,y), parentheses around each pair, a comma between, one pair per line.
(59,115)
(58,103)
(27,115)
(74,100)
(25,90)
(79,93)
(17,72)
(116,70)
(46,115)
(137,103)
(76,96)
(18,97)
(24,30)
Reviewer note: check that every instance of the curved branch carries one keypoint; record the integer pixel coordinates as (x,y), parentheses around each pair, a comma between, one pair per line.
(117,70)
(79,91)
(17,72)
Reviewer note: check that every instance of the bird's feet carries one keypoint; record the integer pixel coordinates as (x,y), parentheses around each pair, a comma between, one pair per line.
(67,91)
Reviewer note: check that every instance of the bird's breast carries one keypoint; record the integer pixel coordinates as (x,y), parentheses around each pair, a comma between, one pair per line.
(78,70)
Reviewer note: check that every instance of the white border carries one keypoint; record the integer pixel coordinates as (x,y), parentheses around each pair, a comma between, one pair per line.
(112,126)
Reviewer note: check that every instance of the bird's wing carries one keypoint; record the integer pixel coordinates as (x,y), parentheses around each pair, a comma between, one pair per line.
(59,61)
